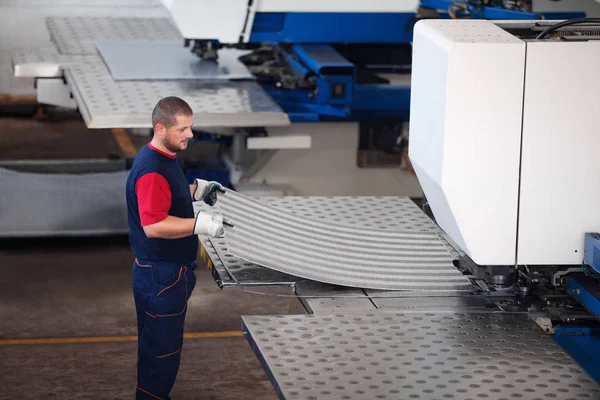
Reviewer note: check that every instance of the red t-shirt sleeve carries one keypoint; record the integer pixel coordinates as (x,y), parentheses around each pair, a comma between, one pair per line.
(154,198)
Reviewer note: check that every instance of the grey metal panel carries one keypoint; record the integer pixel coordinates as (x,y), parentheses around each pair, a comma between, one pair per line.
(40,204)
(137,60)
(401,356)
(78,35)
(395,213)
(42,62)
(106,103)
(380,212)
(337,254)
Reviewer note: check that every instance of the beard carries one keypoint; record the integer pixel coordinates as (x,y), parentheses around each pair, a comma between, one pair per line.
(173,147)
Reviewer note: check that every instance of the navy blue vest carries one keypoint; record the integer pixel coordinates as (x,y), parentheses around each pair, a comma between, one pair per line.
(179,251)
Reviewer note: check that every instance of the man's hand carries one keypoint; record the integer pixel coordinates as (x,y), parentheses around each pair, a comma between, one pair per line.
(208,224)
(207,191)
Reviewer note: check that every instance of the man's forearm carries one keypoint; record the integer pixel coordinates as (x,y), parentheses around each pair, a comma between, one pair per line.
(171,228)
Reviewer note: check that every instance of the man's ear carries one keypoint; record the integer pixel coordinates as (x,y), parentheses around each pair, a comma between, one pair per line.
(160,130)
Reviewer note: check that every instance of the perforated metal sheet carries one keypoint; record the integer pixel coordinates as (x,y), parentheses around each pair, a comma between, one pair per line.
(337,254)
(78,35)
(43,62)
(105,103)
(415,356)
(136,60)
(379,212)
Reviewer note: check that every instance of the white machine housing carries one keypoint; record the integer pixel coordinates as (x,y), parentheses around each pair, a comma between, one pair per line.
(228,20)
(505,141)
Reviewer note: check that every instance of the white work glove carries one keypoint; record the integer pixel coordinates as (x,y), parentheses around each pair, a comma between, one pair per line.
(207,191)
(208,224)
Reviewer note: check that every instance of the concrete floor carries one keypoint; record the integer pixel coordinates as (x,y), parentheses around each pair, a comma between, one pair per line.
(80,288)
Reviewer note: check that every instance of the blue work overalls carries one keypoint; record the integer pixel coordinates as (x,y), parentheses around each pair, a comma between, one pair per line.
(161,291)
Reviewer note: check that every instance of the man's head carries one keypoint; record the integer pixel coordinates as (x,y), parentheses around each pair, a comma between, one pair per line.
(172,122)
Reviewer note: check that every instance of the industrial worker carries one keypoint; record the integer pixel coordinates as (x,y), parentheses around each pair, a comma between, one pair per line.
(163,237)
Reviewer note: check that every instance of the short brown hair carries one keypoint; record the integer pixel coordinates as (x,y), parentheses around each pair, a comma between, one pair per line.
(167,109)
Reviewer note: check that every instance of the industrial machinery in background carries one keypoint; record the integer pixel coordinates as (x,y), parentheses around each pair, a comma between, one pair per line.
(510,174)
(332,60)
(507,161)
(335,61)
(498,100)
(305,66)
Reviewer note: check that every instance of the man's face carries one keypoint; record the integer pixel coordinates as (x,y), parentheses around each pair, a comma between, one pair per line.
(175,138)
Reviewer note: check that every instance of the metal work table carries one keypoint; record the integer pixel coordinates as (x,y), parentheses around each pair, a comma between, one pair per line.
(387,355)
(107,103)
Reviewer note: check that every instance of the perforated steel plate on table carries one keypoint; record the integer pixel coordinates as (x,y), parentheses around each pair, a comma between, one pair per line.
(337,254)
(399,356)
(136,60)
(78,35)
(106,103)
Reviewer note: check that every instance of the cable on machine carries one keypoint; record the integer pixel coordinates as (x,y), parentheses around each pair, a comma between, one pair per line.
(569,22)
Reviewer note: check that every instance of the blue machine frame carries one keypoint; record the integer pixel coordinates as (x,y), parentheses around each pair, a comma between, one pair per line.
(582,342)
(312,53)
